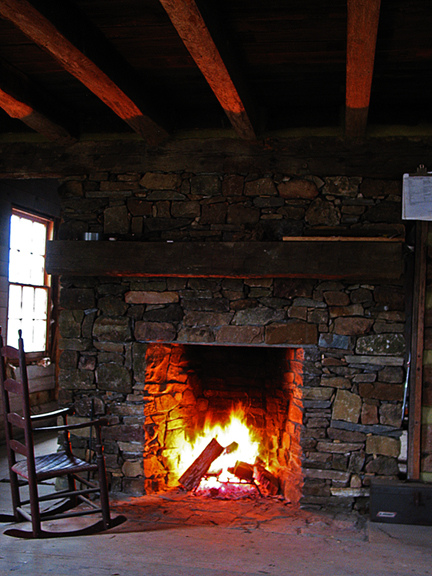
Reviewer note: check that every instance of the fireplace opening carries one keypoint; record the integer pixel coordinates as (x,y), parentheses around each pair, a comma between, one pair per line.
(247,400)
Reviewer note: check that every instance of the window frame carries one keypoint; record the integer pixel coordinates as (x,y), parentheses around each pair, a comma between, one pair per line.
(48,284)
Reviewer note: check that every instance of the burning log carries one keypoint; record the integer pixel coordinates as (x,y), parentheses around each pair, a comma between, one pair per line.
(192,477)
(267,481)
(243,471)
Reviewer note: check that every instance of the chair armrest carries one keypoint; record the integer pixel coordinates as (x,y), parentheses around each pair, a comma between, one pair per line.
(53,414)
(99,422)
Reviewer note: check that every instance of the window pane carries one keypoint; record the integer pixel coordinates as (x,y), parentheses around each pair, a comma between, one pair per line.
(36,270)
(39,336)
(15,301)
(14,324)
(28,296)
(40,304)
(39,237)
(15,233)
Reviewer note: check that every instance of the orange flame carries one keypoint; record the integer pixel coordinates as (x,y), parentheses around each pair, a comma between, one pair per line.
(236,430)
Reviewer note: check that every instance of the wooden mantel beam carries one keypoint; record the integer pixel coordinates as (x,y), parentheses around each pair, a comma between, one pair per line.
(23,100)
(84,52)
(192,29)
(376,259)
(362,29)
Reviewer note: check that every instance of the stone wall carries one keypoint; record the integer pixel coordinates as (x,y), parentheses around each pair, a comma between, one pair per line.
(352,334)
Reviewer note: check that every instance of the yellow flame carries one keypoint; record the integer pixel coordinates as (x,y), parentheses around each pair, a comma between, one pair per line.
(236,430)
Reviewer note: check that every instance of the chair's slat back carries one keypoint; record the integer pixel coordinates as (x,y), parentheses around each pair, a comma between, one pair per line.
(13,388)
(5,385)
(19,447)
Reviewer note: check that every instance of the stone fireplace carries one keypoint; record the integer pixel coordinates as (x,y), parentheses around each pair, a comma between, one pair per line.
(201,265)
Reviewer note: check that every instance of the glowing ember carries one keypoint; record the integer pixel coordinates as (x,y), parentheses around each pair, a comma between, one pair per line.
(240,444)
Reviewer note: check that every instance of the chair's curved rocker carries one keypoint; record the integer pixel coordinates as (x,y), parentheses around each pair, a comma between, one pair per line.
(34,469)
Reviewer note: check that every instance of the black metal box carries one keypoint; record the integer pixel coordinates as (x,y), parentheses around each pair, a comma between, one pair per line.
(401,502)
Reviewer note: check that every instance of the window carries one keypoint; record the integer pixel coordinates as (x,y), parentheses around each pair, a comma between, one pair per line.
(29,284)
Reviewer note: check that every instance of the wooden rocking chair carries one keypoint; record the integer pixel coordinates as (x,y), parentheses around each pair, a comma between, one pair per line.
(31,470)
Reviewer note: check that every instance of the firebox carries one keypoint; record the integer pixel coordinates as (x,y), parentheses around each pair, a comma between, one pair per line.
(247,399)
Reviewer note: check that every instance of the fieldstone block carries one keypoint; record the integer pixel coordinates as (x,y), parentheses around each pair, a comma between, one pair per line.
(132,469)
(352,326)
(116,220)
(232,185)
(327,474)
(114,377)
(112,329)
(380,344)
(391,415)
(391,374)
(383,445)
(240,335)
(139,207)
(154,331)
(383,466)
(322,213)
(260,187)
(196,335)
(149,297)
(338,447)
(68,359)
(194,318)
(186,209)
(139,351)
(304,189)
(170,313)
(259,316)
(77,298)
(71,189)
(78,344)
(76,379)
(205,185)
(70,323)
(293,288)
(369,414)
(122,433)
(345,436)
(315,393)
(336,382)
(342,186)
(112,306)
(336,298)
(351,310)
(360,296)
(213,213)
(347,406)
(334,341)
(293,333)
(242,214)
(155,181)
(87,362)
(381,391)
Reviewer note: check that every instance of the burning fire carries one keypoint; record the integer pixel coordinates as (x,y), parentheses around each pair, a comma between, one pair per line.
(239,443)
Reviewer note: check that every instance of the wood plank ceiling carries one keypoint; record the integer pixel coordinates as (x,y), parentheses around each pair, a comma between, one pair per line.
(157,68)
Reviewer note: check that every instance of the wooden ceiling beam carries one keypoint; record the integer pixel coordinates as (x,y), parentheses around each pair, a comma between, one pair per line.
(192,29)
(84,52)
(362,29)
(22,99)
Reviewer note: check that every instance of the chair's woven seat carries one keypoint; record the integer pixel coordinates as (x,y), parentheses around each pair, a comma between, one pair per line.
(57,464)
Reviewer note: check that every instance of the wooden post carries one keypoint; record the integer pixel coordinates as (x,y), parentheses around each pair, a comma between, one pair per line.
(417,346)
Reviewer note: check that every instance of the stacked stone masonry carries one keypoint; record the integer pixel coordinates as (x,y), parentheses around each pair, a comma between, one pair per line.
(353,335)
